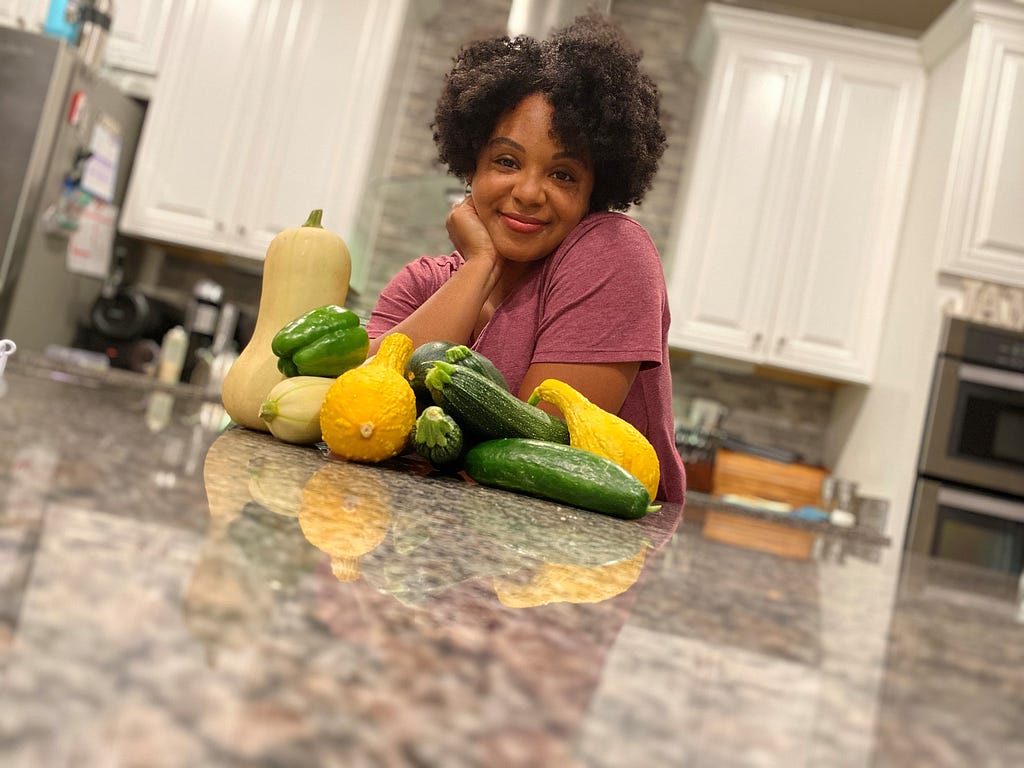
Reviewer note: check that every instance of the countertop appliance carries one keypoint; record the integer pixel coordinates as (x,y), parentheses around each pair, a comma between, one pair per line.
(55,112)
(969,497)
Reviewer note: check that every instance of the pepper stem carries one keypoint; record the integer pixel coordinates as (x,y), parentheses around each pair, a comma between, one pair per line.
(315,217)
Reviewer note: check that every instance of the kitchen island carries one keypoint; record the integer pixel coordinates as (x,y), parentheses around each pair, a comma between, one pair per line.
(174,593)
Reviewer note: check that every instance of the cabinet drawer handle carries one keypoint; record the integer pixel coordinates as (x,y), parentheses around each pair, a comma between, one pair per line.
(219,226)
(782,342)
(757,340)
(241,229)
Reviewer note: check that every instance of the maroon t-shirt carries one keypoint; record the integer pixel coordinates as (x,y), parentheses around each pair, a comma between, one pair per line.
(599,298)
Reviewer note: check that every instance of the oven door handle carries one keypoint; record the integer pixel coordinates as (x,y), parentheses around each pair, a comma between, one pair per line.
(993,377)
(982,505)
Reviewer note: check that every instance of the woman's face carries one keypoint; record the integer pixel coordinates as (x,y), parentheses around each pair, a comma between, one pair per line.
(528,191)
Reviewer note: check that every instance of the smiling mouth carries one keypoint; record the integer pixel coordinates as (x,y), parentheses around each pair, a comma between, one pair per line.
(522,224)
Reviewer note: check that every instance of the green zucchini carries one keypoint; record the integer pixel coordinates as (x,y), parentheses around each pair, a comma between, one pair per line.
(487,410)
(559,473)
(437,437)
(462,355)
(425,355)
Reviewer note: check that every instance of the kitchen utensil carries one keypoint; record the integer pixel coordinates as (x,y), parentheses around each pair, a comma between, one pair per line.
(774,453)
(706,415)
(871,512)
(837,499)
(7,348)
(697,449)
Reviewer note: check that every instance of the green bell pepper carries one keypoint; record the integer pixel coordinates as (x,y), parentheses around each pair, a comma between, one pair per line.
(326,341)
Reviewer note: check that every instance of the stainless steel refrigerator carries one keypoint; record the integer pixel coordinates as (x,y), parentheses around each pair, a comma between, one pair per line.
(54,114)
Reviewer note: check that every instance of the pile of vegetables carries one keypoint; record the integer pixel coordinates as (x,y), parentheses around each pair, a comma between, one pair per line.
(305,378)
(451,406)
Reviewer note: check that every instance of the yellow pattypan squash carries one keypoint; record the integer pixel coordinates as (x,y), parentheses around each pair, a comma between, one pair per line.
(557,583)
(594,429)
(345,512)
(369,412)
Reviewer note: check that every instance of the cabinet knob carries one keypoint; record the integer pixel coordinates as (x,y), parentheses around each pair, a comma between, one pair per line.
(241,229)
(219,226)
(757,340)
(781,342)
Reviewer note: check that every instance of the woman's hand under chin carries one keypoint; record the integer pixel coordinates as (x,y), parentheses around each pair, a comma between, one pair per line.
(468,234)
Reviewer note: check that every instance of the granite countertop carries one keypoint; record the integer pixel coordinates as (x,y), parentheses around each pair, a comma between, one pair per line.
(174,593)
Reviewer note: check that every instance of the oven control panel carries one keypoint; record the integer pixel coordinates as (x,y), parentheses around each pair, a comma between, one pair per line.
(985,345)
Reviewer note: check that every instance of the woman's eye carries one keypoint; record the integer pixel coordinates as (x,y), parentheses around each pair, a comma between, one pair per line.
(508,162)
(563,176)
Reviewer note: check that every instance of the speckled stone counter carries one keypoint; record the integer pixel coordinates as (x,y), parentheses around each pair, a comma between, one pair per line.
(176,594)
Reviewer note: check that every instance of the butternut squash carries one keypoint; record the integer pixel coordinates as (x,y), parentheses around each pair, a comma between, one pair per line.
(594,429)
(369,412)
(305,267)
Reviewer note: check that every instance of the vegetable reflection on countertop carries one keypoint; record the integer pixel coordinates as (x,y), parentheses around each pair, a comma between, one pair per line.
(528,552)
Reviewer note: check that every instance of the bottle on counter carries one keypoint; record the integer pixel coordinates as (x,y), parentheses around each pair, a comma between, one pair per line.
(172,360)
(172,355)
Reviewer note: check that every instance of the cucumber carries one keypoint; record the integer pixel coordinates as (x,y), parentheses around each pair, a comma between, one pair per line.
(559,473)
(488,411)
(437,438)
(425,355)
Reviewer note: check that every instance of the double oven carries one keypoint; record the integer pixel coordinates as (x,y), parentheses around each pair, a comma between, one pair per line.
(969,497)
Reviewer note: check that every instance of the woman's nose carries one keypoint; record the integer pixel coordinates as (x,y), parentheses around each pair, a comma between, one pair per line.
(529,189)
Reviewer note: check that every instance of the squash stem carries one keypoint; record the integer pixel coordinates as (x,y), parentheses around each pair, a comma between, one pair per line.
(315,217)
(432,427)
(268,410)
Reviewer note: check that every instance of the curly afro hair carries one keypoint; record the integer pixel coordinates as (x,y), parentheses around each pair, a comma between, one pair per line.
(606,107)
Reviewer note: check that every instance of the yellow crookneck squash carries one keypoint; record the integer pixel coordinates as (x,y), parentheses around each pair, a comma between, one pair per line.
(594,429)
(369,412)
(305,267)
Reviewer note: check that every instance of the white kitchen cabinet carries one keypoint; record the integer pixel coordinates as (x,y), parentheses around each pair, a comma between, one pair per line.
(790,216)
(137,35)
(24,14)
(264,110)
(981,233)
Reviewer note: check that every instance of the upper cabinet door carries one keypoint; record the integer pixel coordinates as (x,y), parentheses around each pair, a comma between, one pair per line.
(264,110)
(733,217)
(319,116)
(24,14)
(860,143)
(137,35)
(983,234)
(200,125)
(792,209)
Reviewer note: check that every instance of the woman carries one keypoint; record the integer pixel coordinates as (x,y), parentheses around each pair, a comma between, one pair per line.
(546,280)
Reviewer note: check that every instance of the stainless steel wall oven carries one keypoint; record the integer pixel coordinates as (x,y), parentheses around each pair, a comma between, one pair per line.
(969,498)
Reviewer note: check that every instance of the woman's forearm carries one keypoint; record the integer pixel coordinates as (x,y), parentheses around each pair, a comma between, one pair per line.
(451,313)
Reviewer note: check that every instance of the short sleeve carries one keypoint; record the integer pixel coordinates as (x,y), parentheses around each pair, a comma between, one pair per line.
(605,298)
(414,284)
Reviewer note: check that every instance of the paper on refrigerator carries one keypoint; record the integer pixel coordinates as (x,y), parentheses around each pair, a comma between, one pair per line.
(91,246)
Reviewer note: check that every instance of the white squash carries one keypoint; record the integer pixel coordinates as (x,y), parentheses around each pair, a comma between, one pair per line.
(292,408)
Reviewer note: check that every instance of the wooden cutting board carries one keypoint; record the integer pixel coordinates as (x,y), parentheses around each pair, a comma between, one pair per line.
(761,535)
(746,475)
